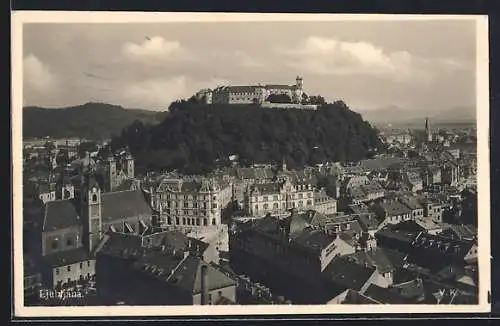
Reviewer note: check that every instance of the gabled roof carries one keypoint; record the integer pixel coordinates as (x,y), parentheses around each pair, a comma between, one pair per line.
(354,297)
(385,295)
(315,240)
(60,214)
(267,188)
(68,257)
(376,258)
(187,275)
(392,208)
(347,274)
(124,204)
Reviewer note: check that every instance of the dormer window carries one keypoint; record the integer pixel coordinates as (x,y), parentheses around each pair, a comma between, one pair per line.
(94,198)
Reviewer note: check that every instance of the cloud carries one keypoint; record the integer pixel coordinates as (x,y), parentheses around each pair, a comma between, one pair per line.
(329,56)
(246,60)
(155,48)
(38,76)
(156,93)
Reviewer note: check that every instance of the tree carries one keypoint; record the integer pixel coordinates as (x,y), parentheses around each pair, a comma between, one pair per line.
(197,137)
(317,100)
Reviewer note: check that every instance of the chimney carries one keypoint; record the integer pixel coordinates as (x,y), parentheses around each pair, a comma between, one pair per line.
(204,285)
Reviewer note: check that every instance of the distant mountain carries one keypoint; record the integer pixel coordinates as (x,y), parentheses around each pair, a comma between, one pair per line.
(396,115)
(90,120)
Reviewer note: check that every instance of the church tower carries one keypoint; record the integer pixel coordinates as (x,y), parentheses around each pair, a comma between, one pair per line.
(67,188)
(129,160)
(112,173)
(428,131)
(92,211)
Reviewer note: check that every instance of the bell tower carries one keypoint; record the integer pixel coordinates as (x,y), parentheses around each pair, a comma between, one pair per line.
(112,174)
(130,165)
(93,207)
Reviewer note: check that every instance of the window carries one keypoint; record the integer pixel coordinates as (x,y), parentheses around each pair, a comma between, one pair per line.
(205,222)
(300,196)
(81,265)
(69,268)
(55,244)
(264,198)
(213,221)
(309,202)
(57,271)
(88,263)
(275,198)
(94,198)
(177,221)
(275,205)
(186,205)
(195,205)
(184,221)
(210,298)
(69,242)
(198,222)
(214,205)
(256,207)
(266,206)
(169,220)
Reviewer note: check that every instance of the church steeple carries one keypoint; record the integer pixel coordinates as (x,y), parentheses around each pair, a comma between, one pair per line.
(428,132)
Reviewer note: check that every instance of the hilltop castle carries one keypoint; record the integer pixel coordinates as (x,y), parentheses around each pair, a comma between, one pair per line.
(251,94)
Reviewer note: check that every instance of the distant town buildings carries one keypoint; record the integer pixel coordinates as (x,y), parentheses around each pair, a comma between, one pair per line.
(399,227)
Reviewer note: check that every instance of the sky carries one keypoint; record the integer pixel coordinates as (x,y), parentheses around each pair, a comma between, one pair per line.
(427,65)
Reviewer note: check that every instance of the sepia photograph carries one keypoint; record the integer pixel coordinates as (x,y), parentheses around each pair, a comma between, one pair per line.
(252,163)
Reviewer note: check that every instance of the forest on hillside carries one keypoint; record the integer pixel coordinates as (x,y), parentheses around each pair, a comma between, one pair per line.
(196,138)
(91,120)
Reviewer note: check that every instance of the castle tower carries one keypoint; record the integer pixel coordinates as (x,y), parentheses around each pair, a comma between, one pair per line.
(92,207)
(297,94)
(299,82)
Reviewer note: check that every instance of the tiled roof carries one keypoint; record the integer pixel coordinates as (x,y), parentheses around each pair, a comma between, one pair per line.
(346,274)
(410,202)
(313,239)
(368,221)
(124,204)
(385,295)
(267,188)
(68,257)
(393,208)
(184,273)
(242,89)
(354,297)
(461,231)
(60,214)
(255,173)
(376,258)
